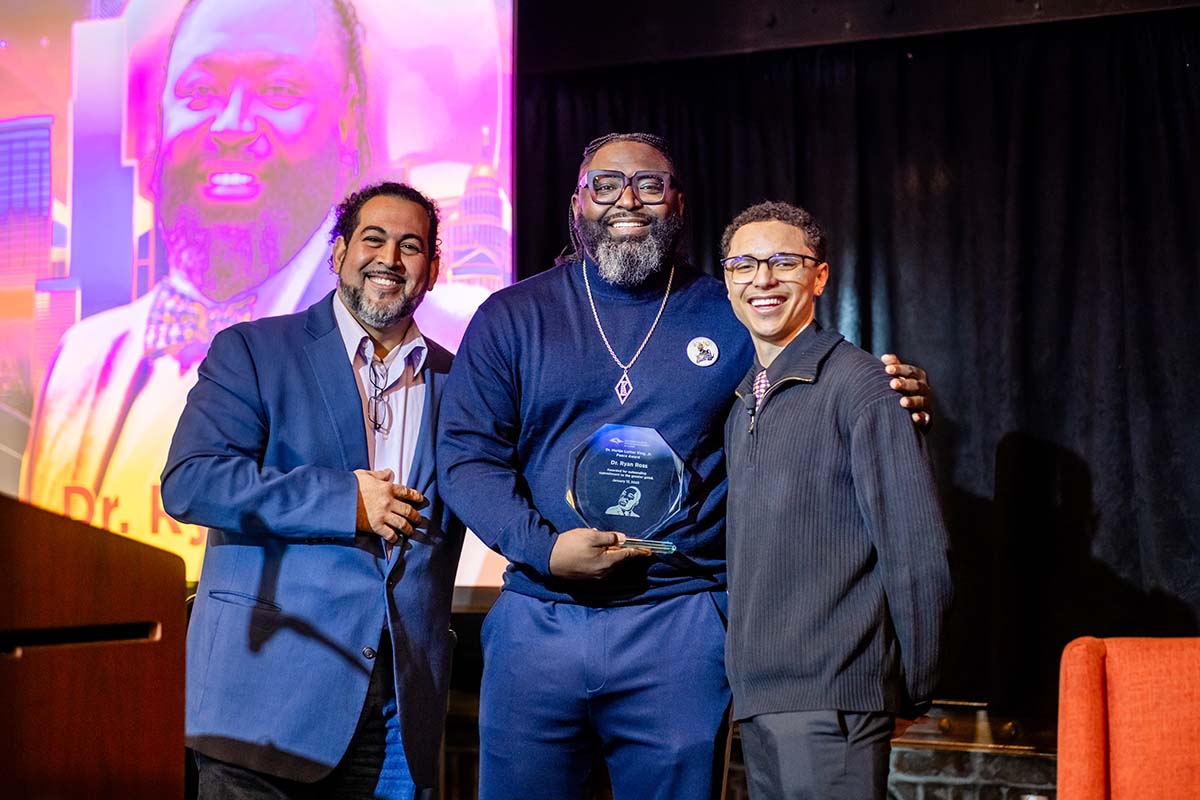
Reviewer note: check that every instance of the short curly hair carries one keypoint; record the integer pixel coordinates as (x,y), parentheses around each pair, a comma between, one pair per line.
(787,213)
(347,211)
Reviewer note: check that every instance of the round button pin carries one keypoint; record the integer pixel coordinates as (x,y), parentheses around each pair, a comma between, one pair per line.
(703,351)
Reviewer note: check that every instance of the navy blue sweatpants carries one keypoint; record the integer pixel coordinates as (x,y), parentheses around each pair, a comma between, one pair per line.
(644,684)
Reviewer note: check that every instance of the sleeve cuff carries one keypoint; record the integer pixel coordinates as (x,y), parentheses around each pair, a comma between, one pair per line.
(529,545)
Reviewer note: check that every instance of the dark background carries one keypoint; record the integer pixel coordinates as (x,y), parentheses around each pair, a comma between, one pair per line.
(1013,207)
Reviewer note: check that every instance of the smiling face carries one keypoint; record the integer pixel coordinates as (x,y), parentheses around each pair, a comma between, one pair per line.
(773,310)
(628,241)
(386,267)
(257,138)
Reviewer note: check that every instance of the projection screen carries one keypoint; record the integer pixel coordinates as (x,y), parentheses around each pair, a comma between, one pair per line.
(168,168)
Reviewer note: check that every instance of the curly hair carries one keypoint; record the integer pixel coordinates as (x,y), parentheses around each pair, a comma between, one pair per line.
(786,213)
(575,255)
(347,211)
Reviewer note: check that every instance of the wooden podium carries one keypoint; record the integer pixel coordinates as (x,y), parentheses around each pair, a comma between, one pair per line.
(91,661)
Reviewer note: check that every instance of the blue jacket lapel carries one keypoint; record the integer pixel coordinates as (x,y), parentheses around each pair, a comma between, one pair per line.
(437,365)
(422,468)
(333,376)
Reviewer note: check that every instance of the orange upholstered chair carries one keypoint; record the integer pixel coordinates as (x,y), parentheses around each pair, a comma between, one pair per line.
(1129,719)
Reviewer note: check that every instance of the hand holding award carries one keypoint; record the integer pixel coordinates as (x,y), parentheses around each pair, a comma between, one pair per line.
(627,479)
(583,553)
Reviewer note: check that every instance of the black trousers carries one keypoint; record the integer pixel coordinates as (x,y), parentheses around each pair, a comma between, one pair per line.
(818,755)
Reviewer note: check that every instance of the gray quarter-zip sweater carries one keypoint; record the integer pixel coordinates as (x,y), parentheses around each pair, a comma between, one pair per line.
(837,553)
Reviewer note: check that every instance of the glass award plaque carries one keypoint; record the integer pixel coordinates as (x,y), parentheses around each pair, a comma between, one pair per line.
(625,478)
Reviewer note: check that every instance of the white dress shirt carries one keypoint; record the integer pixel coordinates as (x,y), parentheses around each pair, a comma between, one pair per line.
(398,387)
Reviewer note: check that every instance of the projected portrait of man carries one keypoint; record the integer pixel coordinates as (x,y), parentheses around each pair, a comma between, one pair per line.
(260,132)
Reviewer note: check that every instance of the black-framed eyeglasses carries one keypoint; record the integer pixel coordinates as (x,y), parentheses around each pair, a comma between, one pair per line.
(784,266)
(378,411)
(606,186)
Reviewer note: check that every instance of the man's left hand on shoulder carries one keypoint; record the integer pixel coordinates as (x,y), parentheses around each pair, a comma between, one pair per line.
(911,382)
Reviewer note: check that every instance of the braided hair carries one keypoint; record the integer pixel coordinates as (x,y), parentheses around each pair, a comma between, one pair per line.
(575,253)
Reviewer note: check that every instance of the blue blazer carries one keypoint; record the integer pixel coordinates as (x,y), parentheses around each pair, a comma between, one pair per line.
(292,600)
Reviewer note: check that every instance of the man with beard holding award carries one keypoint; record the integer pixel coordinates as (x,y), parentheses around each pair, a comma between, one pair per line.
(319,649)
(261,133)
(614,369)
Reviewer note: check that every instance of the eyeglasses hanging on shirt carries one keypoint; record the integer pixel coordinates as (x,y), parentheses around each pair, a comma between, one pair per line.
(378,411)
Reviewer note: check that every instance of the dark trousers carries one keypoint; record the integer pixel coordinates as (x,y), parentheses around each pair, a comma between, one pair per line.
(817,755)
(643,685)
(372,767)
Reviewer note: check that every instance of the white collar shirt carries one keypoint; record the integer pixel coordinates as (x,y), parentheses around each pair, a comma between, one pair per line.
(392,390)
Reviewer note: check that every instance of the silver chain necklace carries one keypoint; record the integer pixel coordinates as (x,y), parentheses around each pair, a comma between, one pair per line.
(624,387)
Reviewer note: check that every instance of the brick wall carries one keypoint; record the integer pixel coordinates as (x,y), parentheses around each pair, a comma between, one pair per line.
(931,774)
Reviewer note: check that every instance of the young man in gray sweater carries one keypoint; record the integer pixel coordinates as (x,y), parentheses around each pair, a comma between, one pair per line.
(838,575)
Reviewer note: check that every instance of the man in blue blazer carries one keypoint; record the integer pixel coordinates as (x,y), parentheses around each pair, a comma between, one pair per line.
(319,646)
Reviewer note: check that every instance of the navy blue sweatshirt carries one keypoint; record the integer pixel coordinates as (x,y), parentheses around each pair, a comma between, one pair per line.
(533,380)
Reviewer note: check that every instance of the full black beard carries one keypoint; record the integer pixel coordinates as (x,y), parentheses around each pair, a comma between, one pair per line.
(375,316)
(630,262)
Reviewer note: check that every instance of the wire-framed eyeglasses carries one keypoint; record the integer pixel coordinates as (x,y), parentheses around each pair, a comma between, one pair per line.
(378,410)
(606,186)
(784,266)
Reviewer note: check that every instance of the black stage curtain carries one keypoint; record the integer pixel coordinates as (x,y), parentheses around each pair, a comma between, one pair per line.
(1017,210)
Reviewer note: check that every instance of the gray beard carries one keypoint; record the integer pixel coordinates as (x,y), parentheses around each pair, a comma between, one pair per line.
(379,318)
(629,262)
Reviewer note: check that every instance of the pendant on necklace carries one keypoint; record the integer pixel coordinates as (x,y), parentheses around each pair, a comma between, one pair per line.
(623,388)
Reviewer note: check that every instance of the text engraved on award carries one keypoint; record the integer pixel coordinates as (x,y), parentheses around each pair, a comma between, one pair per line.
(625,478)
